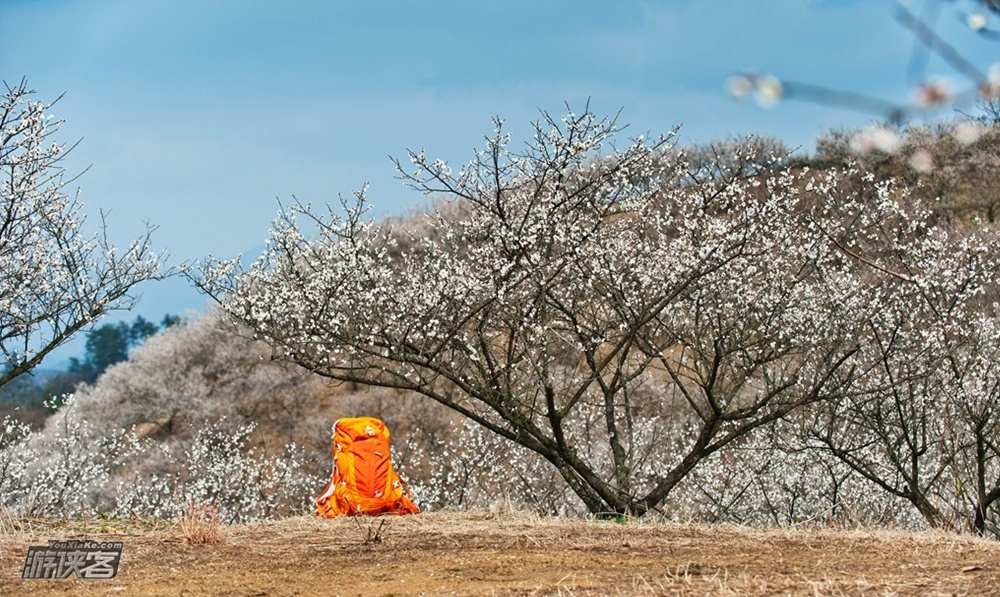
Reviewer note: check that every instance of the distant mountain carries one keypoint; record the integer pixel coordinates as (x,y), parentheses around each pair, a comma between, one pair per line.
(40,376)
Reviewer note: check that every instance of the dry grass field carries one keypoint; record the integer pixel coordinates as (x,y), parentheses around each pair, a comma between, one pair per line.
(484,553)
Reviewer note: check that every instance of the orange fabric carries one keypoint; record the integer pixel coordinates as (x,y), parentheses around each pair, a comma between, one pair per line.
(363,480)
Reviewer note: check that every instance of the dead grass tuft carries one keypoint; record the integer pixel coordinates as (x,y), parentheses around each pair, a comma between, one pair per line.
(9,524)
(371,533)
(200,524)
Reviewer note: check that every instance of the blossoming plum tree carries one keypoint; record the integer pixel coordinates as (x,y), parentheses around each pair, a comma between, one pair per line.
(55,281)
(922,423)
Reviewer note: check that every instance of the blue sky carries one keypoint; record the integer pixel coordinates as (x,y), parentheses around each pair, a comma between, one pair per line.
(198,115)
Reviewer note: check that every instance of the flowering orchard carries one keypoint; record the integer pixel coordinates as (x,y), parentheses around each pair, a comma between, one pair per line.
(582,326)
(76,468)
(631,318)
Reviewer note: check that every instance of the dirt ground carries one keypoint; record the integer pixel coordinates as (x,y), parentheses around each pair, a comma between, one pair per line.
(485,553)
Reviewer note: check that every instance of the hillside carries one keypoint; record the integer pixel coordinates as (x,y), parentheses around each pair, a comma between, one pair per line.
(483,553)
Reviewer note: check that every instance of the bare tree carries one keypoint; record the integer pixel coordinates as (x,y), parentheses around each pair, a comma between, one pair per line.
(54,281)
(989,110)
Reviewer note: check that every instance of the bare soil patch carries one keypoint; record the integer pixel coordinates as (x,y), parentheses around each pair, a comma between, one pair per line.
(484,553)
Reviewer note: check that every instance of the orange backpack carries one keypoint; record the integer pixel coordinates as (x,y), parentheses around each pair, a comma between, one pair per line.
(363,480)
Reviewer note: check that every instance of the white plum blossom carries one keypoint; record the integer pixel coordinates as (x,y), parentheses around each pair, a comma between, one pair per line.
(769,91)
(976,21)
(922,161)
(934,92)
(739,86)
(876,138)
(967,132)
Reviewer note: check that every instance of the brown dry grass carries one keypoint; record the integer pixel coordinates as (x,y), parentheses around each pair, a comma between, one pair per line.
(485,553)
(200,524)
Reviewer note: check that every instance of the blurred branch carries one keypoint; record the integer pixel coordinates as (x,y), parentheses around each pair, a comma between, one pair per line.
(930,93)
(929,38)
